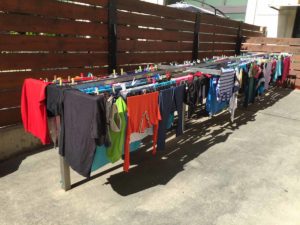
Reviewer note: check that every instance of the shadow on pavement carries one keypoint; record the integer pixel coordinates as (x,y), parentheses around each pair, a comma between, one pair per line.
(149,171)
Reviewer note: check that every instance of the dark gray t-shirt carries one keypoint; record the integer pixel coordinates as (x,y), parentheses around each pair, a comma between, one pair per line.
(84,127)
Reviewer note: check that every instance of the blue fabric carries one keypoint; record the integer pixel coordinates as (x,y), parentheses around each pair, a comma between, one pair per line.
(100,158)
(278,71)
(213,106)
(134,146)
(170,121)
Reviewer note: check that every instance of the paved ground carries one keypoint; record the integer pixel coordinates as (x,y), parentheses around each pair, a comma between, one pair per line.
(218,173)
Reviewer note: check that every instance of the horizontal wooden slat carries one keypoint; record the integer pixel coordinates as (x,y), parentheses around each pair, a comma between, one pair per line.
(295,73)
(154,9)
(126,18)
(205,28)
(279,41)
(217,38)
(212,19)
(296,58)
(270,48)
(134,58)
(14,80)
(151,34)
(52,8)
(26,23)
(251,34)
(10,98)
(295,66)
(102,3)
(216,46)
(10,116)
(246,26)
(27,61)
(134,46)
(46,43)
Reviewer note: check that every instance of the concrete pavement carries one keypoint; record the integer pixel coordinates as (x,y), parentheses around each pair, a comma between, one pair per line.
(245,173)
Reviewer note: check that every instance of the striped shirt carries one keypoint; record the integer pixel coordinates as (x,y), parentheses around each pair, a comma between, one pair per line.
(225,85)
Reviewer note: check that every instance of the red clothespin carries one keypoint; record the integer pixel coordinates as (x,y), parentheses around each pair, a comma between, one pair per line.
(81,74)
(168,75)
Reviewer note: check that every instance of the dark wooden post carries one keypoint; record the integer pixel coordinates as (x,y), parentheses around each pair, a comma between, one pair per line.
(239,40)
(112,35)
(196,37)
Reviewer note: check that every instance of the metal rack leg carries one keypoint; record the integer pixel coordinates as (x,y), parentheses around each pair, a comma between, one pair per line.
(183,116)
(65,174)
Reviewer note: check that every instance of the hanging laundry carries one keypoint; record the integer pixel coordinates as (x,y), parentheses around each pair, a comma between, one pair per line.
(286,68)
(170,100)
(267,73)
(142,113)
(213,106)
(225,85)
(117,130)
(34,110)
(84,128)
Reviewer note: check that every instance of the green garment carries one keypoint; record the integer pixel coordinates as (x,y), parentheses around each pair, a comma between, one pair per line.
(115,151)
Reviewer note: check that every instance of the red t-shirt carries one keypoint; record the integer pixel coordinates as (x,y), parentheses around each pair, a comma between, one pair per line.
(33,109)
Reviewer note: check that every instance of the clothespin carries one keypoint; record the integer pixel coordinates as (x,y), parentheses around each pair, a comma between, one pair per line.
(114,72)
(90,75)
(140,69)
(96,90)
(122,71)
(123,86)
(81,74)
(60,82)
(73,81)
(55,78)
(69,79)
(133,82)
(155,67)
(46,80)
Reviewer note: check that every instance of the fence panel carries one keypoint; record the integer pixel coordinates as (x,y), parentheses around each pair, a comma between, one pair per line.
(43,38)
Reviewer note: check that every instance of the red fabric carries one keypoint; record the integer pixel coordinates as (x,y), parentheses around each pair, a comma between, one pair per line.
(139,108)
(286,68)
(33,109)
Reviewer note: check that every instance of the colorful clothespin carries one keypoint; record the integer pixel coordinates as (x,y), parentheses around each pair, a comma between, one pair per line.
(96,90)
(122,71)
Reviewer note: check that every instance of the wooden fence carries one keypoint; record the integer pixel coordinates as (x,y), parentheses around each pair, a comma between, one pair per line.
(278,45)
(43,38)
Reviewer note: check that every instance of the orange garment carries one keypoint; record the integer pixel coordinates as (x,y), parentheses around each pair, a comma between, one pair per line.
(142,113)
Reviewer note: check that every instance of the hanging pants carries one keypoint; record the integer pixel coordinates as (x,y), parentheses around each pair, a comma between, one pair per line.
(170,100)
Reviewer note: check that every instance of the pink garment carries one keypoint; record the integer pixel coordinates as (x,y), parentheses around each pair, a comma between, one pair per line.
(286,68)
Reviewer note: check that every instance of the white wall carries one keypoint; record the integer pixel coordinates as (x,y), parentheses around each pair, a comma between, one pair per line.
(259,13)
